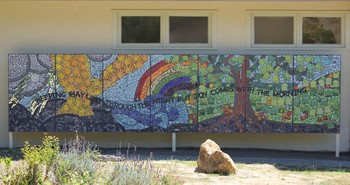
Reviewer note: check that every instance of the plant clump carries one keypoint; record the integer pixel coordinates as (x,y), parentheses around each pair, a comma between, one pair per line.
(78,162)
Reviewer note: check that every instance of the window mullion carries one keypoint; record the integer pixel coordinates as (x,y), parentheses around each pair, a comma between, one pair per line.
(166,29)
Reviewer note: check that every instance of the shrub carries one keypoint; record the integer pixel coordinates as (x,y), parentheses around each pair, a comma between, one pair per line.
(75,164)
(14,173)
(6,160)
(78,163)
(41,158)
(133,171)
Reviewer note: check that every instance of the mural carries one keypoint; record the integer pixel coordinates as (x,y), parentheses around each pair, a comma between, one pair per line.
(167,93)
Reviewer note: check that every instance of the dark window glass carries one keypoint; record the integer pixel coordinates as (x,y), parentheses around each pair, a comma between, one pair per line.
(188,29)
(273,30)
(141,29)
(321,30)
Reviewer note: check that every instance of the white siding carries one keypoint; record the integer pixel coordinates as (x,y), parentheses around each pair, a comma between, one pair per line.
(86,27)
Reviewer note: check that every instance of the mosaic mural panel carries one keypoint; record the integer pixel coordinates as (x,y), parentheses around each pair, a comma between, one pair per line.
(124,109)
(174,92)
(31,88)
(78,82)
(166,93)
(223,83)
(317,97)
(271,100)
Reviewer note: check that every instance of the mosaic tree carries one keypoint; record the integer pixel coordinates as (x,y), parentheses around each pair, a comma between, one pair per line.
(264,88)
(218,76)
(231,76)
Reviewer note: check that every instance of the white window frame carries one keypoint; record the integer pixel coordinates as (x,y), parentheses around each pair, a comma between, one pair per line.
(117,31)
(326,15)
(164,30)
(298,32)
(272,14)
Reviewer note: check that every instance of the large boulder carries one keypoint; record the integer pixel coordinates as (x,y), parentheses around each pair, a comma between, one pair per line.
(212,160)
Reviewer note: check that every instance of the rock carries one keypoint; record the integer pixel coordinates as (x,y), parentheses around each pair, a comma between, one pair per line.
(212,160)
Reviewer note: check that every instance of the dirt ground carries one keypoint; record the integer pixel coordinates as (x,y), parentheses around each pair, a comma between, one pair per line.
(256,174)
(257,166)
(254,166)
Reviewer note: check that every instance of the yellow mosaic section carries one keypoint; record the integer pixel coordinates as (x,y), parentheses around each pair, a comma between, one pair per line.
(125,64)
(74,75)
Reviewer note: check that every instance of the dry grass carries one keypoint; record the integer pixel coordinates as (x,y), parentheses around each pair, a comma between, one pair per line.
(261,174)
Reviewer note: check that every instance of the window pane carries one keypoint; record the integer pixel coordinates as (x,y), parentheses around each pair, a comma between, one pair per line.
(188,29)
(273,30)
(321,30)
(141,29)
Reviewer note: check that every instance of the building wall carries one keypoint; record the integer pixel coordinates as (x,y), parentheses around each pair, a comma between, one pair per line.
(86,27)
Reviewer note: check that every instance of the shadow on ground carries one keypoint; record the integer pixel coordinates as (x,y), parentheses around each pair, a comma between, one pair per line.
(311,168)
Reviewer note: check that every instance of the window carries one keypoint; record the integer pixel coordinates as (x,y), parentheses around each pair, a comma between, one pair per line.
(322,30)
(302,29)
(188,29)
(270,29)
(273,30)
(163,29)
(134,29)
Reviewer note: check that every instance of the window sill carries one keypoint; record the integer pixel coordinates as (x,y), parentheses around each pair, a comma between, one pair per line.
(162,48)
(300,48)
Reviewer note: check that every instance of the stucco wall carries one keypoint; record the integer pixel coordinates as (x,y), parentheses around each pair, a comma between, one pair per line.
(86,27)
